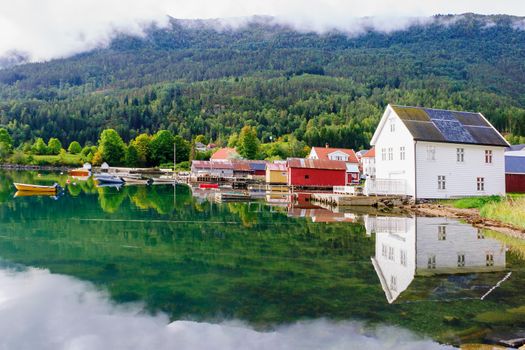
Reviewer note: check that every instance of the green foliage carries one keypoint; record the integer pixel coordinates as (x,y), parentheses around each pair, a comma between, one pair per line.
(248,143)
(233,140)
(111,147)
(142,145)
(161,147)
(54,146)
(320,88)
(201,138)
(132,156)
(6,144)
(183,149)
(510,211)
(475,202)
(74,148)
(39,147)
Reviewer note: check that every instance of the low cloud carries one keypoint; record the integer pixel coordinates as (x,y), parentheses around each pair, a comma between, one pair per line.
(40,310)
(46,29)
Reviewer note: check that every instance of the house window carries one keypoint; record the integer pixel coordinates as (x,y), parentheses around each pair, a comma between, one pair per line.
(392,125)
(489,259)
(488,156)
(383,153)
(390,153)
(383,250)
(460,155)
(480,183)
(441,182)
(442,233)
(431,153)
(481,235)
(403,257)
(461,260)
(431,263)
(393,283)
(391,253)
(402,153)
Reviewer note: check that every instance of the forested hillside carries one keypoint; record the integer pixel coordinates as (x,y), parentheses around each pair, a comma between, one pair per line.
(193,79)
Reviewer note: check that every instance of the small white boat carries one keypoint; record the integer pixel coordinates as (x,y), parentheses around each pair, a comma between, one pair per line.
(108,179)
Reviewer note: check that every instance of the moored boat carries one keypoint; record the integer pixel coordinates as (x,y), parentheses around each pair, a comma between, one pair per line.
(108,179)
(37,188)
(79,172)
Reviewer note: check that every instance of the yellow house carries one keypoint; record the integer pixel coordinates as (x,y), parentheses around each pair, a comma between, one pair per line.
(276,173)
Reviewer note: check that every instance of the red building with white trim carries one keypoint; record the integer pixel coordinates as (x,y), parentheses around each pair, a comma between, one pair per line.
(316,173)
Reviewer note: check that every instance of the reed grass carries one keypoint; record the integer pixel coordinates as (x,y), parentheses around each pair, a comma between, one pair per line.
(511,210)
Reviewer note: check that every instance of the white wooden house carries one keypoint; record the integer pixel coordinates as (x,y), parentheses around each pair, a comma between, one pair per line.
(432,153)
(407,248)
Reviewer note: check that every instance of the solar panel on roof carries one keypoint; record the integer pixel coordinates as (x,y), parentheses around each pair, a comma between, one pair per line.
(467,118)
(453,131)
(440,114)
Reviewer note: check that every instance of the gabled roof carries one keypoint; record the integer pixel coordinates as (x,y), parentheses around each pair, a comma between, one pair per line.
(370,154)
(316,164)
(323,152)
(514,165)
(439,125)
(225,153)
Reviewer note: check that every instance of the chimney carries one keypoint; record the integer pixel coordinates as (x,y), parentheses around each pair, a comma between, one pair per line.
(326,145)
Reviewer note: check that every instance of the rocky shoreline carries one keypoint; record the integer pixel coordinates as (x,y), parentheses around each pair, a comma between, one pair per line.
(471,216)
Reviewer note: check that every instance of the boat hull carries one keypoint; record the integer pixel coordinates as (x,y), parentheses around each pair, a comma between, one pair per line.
(35,188)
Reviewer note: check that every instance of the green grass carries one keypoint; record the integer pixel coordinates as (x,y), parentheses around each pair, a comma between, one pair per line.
(67,159)
(474,202)
(56,160)
(510,211)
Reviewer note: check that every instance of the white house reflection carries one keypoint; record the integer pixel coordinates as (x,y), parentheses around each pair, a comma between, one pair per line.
(409,247)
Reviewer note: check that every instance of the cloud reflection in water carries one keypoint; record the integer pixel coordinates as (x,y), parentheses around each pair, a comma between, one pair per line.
(40,310)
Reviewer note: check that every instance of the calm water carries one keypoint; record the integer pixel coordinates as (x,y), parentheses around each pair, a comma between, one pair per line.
(155,267)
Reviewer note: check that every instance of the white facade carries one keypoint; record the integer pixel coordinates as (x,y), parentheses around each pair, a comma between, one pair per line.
(436,169)
(409,247)
(369,166)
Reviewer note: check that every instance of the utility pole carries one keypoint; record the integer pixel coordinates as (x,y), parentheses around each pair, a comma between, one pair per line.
(174,157)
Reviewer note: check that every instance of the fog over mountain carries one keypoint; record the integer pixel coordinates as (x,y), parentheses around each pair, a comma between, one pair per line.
(47,29)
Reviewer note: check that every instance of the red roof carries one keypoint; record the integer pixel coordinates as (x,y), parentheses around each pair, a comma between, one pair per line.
(323,152)
(225,153)
(205,164)
(370,154)
(316,164)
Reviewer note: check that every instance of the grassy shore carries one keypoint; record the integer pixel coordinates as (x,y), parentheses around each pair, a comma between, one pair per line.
(509,209)
(65,159)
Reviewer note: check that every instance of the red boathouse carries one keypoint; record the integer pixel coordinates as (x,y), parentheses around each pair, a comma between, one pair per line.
(316,173)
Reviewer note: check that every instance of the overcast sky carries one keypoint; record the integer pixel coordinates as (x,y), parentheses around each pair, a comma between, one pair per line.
(55,28)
